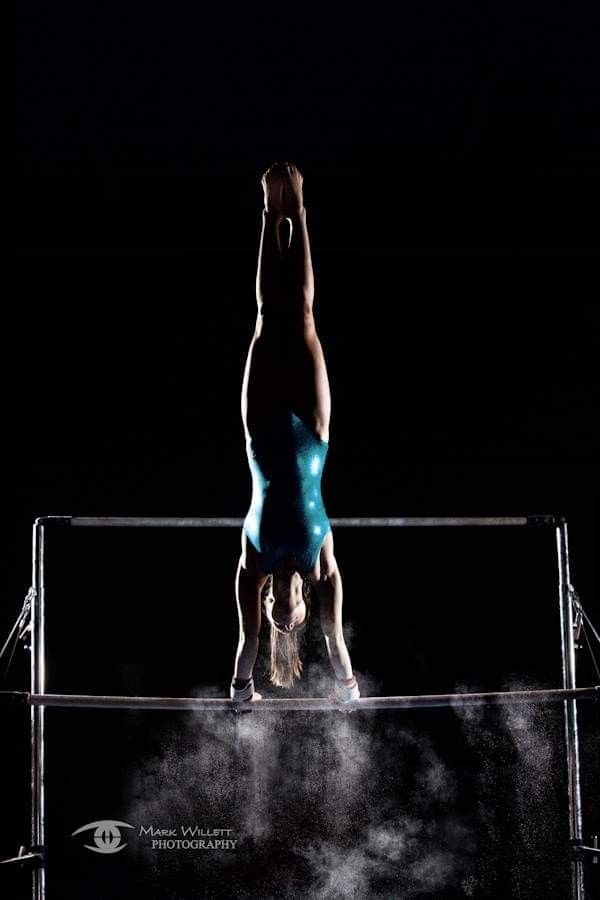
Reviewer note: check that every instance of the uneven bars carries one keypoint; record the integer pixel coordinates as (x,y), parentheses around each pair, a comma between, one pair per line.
(305,703)
(338,522)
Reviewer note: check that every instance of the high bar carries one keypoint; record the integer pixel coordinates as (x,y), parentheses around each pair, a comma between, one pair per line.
(306,703)
(337,522)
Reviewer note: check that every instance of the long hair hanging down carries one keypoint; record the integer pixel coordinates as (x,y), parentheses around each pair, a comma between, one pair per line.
(285,662)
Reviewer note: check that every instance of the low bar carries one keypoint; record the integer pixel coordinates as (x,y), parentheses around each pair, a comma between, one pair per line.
(310,703)
(352,522)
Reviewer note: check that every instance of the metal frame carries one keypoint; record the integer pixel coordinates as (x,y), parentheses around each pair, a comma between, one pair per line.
(571,729)
(37,720)
(38,699)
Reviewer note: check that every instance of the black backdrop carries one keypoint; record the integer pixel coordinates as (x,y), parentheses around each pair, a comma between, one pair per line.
(450,161)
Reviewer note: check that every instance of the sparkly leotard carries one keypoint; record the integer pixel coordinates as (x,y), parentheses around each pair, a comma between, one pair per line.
(287,517)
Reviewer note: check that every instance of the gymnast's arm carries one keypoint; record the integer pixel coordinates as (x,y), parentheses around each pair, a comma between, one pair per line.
(249,584)
(329,591)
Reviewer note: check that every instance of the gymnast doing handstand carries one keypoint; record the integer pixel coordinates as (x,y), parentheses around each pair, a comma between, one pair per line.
(287,544)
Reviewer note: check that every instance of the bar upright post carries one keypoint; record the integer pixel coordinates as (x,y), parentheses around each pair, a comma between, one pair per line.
(571,730)
(38,685)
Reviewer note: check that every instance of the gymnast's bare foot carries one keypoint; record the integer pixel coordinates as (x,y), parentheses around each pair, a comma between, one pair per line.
(282,185)
(273,184)
(293,195)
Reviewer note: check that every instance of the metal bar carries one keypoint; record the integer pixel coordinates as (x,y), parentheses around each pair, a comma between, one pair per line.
(38,685)
(429,521)
(28,858)
(571,730)
(353,522)
(151,522)
(313,703)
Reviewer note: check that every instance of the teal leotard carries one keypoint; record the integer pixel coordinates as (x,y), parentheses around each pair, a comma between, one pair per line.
(287,517)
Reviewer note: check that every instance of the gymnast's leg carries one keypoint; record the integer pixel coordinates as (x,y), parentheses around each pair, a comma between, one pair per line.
(285,366)
(261,391)
(299,282)
(269,271)
(307,384)
(284,277)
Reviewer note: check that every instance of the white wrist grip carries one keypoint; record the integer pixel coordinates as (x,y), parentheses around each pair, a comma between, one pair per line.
(345,694)
(243,694)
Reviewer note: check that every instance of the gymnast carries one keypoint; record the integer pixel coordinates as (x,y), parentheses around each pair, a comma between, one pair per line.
(287,543)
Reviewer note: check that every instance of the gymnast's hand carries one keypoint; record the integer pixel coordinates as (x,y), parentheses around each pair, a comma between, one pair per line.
(345,690)
(242,691)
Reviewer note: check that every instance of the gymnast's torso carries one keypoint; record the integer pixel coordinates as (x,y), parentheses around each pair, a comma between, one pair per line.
(287,517)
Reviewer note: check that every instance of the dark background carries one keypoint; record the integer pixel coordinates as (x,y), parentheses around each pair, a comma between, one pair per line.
(450,157)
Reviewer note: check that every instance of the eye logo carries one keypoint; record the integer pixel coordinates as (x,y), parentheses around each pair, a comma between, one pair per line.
(107,836)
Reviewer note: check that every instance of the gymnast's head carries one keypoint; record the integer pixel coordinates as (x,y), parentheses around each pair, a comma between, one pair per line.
(286,599)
